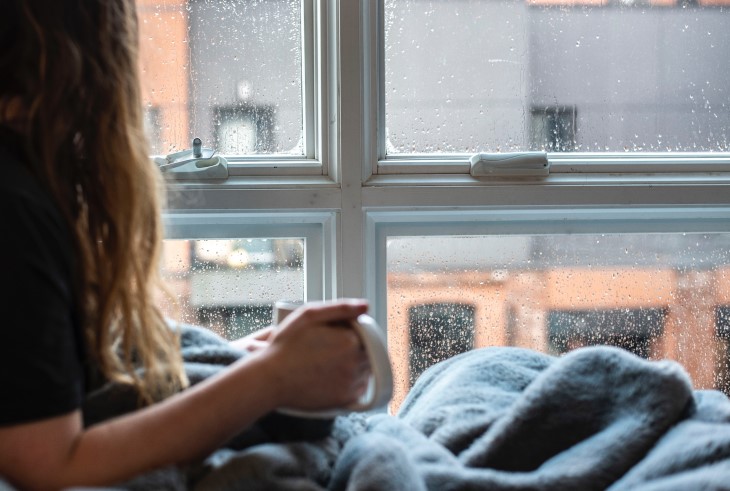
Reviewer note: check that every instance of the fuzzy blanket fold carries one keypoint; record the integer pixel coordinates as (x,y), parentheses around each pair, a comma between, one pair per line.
(495,418)
(512,419)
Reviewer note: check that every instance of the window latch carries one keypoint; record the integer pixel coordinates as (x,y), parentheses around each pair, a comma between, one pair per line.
(513,164)
(197,163)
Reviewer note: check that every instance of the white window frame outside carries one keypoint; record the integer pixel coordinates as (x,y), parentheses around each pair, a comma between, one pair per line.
(357,197)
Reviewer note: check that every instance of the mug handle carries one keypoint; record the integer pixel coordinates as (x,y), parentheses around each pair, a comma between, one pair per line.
(380,385)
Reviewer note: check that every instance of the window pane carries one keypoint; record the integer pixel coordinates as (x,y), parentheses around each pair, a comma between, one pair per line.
(657,295)
(230,285)
(227,71)
(558,75)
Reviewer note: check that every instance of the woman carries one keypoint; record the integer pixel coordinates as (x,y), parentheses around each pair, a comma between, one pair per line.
(81,202)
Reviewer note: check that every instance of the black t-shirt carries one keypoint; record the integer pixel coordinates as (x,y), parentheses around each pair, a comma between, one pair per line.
(41,350)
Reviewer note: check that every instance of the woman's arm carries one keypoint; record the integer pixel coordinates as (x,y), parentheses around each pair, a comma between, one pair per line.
(309,365)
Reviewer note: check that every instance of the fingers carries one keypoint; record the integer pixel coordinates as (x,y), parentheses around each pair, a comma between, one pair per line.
(255,341)
(256,345)
(263,334)
(329,312)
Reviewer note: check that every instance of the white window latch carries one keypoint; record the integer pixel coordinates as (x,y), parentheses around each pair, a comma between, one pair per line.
(512,164)
(197,163)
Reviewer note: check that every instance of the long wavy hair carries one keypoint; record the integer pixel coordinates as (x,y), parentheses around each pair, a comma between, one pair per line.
(71,67)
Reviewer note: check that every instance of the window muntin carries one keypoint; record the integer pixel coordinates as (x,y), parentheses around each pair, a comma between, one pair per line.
(661,295)
(467,76)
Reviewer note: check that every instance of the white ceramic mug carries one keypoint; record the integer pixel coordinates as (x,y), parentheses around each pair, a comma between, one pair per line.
(380,386)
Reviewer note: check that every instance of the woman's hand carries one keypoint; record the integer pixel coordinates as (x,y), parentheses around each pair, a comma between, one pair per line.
(320,362)
(255,341)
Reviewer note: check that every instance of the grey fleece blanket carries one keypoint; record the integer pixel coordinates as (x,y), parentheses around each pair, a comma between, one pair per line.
(494,418)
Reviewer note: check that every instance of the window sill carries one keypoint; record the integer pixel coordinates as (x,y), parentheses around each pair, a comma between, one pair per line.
(256,193)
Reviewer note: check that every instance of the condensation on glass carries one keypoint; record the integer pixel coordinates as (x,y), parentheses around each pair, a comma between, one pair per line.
(228,72)
(230,285)
(556,75)
(656,295)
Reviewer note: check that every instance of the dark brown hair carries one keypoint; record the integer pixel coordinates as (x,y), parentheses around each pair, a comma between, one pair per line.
(71,67)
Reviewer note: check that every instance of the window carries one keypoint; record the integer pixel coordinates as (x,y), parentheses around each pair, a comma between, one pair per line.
(204,62)
(208,278)
(249,53)
(655,294)
(647,76)
(225,270)
(348,127)
(636,330)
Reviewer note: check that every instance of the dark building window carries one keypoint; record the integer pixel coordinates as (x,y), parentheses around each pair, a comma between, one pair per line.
(722,331)
(722,322)
(632,329)
(438,331)
(553,129)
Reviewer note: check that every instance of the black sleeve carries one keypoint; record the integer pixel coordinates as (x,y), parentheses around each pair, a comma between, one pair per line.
(41,372)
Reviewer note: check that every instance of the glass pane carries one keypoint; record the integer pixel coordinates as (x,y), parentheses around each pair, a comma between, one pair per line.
(231,285)
(657,295)
(558,75)
(227,71)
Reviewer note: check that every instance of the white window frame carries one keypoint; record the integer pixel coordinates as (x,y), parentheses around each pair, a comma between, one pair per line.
(358,196)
